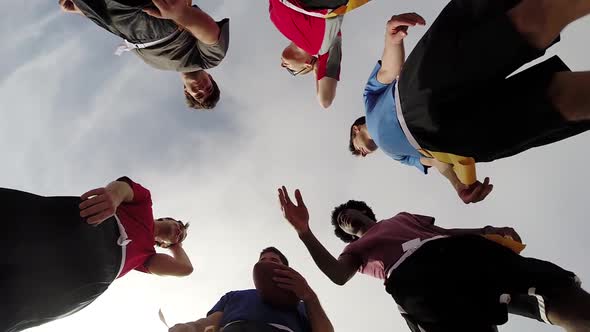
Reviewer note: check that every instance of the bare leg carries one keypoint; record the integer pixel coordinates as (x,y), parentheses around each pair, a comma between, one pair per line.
(570,94)
(541,21)
(571,310)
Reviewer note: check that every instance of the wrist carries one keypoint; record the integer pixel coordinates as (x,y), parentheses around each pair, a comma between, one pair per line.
(303,234)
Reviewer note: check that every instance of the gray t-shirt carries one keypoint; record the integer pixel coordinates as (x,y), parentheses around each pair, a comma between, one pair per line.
(185,53)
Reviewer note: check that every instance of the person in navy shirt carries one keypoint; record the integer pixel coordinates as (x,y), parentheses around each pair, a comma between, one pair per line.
(244,310)
(455,102)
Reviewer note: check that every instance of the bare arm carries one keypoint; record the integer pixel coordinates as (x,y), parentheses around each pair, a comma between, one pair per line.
(196,21)
(318,319)
(200,25)
(393,52)
(208,324)
(326,91)
(340,271)
(178,264)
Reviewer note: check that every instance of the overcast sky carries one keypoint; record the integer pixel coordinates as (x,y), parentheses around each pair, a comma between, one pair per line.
(75,117)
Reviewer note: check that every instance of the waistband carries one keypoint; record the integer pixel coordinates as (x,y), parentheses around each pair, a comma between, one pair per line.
(409,248)
(127,46)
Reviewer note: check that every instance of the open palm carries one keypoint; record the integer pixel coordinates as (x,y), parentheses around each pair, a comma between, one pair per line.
(296,215)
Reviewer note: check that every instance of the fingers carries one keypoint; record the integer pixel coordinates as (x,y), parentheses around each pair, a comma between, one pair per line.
(99,218)
(416,18)
(299,198)
(93,192)
(96,208)
(286,196)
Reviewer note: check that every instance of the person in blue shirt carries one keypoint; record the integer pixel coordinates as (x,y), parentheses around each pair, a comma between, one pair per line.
(454,102)
(245,311)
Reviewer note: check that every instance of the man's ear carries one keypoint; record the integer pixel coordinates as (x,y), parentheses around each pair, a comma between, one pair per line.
(356,129)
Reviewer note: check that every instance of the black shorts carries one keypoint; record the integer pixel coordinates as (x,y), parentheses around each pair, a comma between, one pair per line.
(455,94)
(125,18)
(323,4)
(456,283)
(53,263)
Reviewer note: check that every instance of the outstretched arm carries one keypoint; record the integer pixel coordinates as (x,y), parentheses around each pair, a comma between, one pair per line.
(178,265)
(393,52)
(473,193)
(338,270)
(196,21)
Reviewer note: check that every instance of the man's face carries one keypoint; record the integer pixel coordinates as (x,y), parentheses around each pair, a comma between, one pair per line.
(351,221)
(362,141)
(197,84)
(172,232)
(270,257)
(295,60)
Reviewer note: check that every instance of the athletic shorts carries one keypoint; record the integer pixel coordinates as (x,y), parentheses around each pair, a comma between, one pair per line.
(461,283)
(53,263)
(456,94)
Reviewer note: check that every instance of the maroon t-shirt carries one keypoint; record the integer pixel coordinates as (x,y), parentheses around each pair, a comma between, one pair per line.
(138,220)
(381,246)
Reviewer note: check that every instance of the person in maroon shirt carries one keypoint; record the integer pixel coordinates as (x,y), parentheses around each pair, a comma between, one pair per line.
(444,279)
(62,253)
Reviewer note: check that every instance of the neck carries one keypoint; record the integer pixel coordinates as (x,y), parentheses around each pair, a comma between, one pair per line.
(365,229)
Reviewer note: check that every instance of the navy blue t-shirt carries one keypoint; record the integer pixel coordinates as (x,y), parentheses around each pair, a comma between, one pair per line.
(247,305)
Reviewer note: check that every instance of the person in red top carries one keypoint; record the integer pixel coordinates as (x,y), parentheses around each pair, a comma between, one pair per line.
(64,252)
(316,43)
(444,280)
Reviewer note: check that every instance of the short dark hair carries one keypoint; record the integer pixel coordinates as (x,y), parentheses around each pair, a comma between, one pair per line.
(360,121)
(352,205)
(206,104)
(277,252)
(183,226)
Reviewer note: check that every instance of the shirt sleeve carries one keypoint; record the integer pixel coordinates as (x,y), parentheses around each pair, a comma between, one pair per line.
(373,86)
(329,62)
(143,268)
(411,161)
(220,305)
(212,55)
(425,220)
(140,194)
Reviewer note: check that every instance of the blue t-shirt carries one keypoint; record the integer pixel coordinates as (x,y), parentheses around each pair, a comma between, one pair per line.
(383,125)
(247,305)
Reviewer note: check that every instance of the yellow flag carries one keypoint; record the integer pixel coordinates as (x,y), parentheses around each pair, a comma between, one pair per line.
(351,5)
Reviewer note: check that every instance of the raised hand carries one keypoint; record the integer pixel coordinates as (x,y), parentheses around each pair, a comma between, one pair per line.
(169,9)
(397,27)
(98,205)
(296,215)
(289,279)
(476,192)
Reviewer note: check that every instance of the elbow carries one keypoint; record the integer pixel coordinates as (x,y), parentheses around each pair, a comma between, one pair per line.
(325,102)
(186,271)
(339,281)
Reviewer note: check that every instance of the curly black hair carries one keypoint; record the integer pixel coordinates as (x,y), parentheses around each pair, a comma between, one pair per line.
(359,122)
(353,205)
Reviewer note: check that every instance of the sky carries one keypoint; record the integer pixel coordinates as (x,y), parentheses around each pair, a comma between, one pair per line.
(75,117)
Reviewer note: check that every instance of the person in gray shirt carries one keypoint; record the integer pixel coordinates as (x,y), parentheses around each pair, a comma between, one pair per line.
(167,35)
